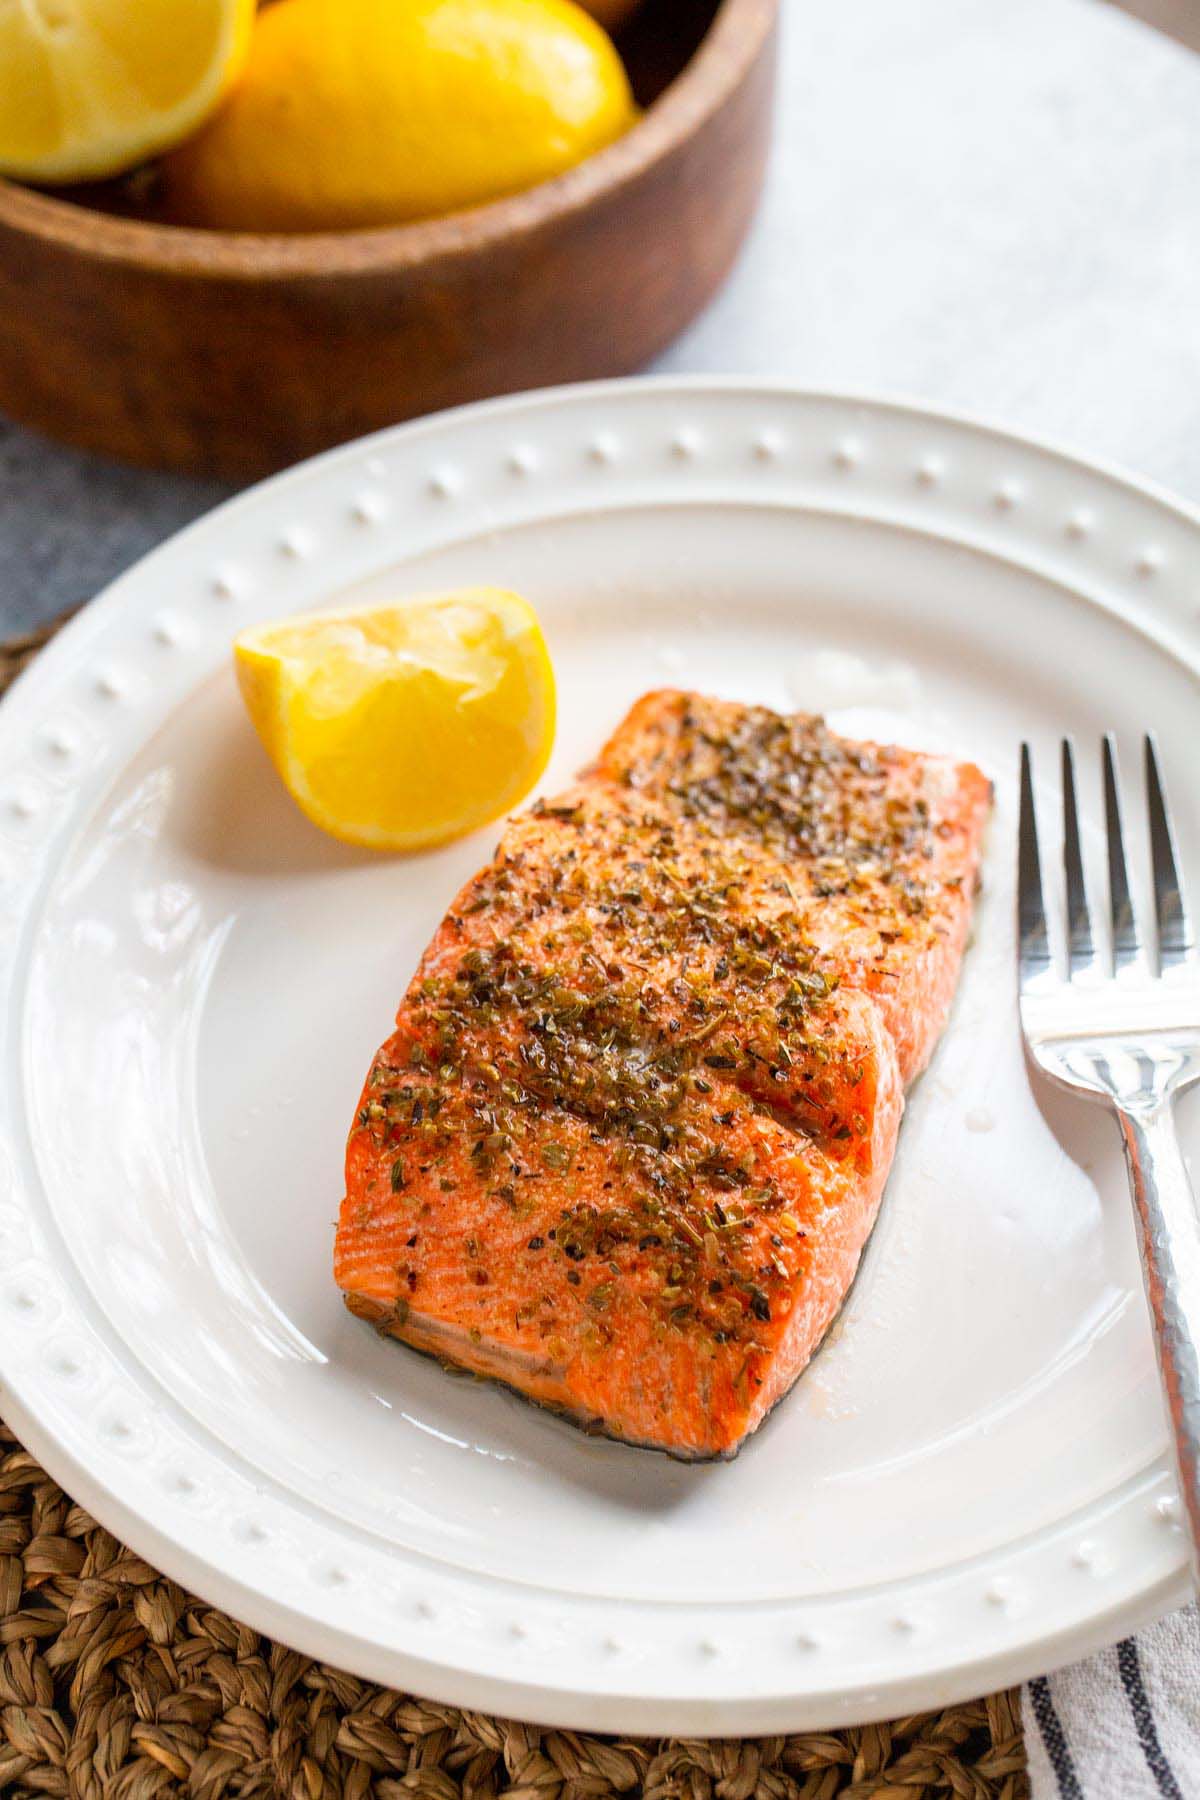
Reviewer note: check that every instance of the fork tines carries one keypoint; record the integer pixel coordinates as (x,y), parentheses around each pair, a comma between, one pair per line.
(1176,944)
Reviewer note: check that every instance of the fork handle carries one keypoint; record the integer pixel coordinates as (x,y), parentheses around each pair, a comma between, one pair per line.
(1169,1239)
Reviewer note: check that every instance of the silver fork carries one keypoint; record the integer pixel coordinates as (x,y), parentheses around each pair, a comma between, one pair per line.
(1125,1030)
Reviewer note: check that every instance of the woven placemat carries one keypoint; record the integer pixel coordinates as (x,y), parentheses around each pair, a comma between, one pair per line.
(116,1684)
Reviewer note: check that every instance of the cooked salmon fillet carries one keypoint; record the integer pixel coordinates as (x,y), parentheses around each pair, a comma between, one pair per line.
(630,1135)
(881,843)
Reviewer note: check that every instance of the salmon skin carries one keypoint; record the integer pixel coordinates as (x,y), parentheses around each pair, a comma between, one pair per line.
(629,1137)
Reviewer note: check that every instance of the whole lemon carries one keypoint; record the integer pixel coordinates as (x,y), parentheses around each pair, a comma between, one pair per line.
(370,112)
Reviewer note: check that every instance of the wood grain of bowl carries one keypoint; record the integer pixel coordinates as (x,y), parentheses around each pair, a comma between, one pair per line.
(233,354)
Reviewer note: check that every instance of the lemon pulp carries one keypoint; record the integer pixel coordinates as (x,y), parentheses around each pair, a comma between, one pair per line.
(403,725)
(91,87)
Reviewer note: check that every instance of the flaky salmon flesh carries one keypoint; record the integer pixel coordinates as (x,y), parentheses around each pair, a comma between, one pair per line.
(629,1137)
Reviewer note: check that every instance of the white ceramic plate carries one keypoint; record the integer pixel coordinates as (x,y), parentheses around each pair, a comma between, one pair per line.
(970,1483)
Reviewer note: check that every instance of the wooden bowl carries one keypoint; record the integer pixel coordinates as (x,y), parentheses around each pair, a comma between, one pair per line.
(232,354)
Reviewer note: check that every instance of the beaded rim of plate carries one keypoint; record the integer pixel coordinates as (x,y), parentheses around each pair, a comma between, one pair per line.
(596,446)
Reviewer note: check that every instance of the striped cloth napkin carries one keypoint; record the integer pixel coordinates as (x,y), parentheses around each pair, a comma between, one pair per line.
(1124,1725)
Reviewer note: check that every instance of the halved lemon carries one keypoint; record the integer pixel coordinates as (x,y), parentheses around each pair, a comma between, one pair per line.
(404,724)
(91,87)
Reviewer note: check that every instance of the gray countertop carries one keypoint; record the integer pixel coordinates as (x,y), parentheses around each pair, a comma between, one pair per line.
(986,207)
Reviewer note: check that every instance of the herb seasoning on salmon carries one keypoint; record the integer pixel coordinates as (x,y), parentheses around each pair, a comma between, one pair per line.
(629,1137)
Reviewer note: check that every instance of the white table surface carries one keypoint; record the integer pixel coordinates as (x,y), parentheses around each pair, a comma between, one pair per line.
(990,205)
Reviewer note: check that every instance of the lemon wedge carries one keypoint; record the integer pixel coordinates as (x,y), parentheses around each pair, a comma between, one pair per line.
(405,724)
(91,87)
